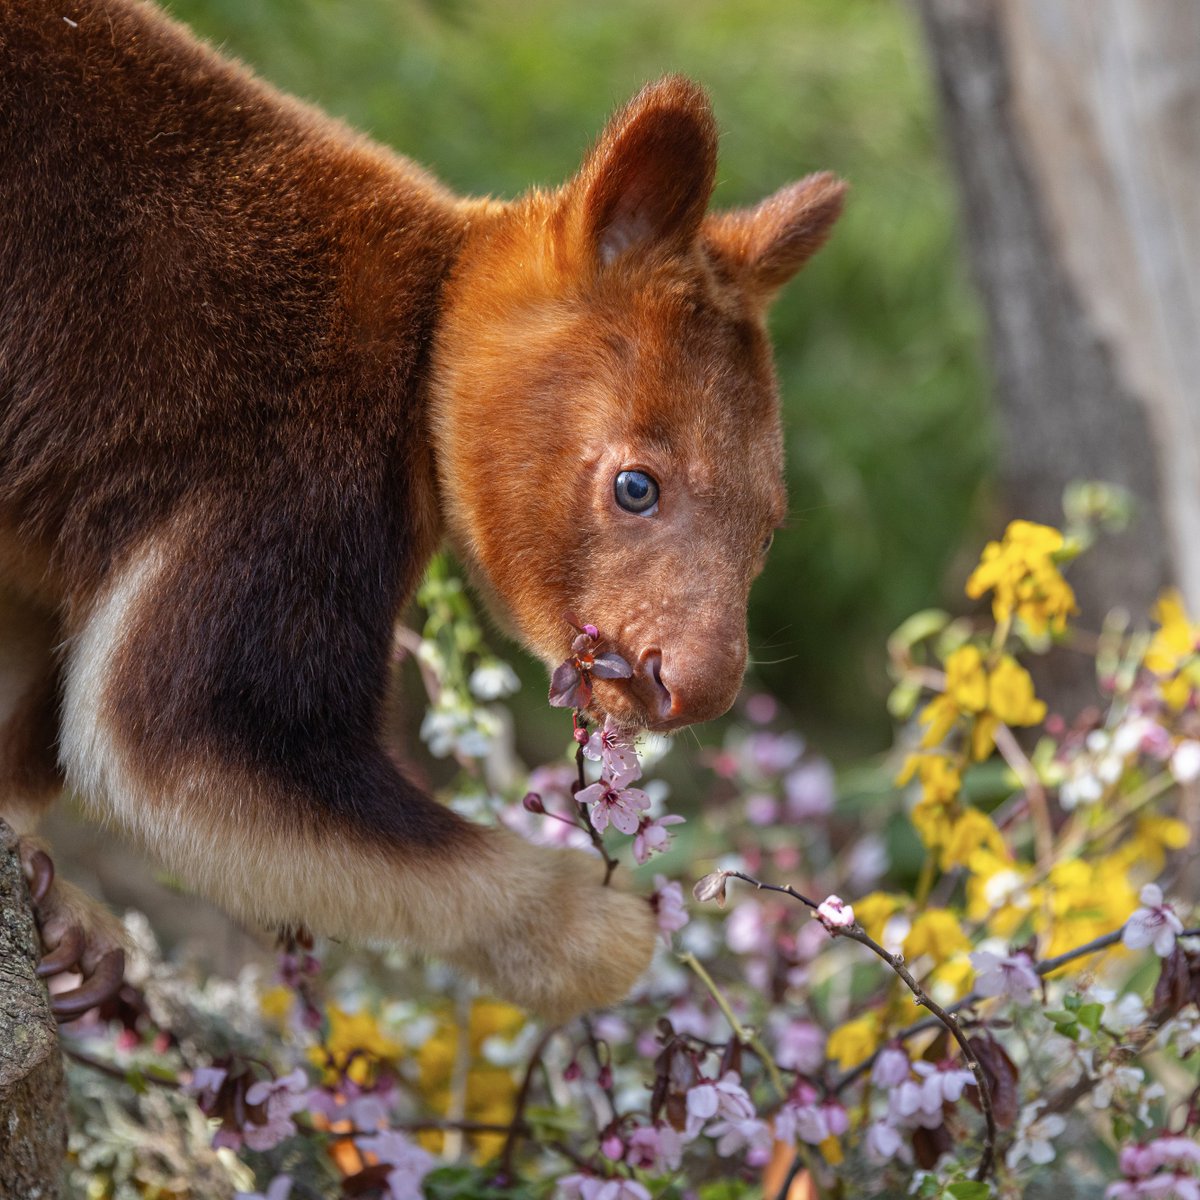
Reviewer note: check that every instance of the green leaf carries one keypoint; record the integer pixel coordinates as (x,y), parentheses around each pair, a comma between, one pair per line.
(969,1189)
(1089,1016)
(918,627)
(903,699)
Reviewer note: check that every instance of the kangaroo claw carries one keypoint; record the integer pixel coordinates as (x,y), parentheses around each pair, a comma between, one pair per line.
(102,984)
(63,953)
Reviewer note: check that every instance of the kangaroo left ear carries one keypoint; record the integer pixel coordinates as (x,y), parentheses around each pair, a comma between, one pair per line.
(767,244)
(648,180)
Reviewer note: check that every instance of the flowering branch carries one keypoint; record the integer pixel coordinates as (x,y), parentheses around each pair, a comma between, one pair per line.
(840,923)
(1043,968)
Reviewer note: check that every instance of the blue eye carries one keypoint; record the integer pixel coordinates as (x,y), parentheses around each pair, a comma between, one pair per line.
(636,492)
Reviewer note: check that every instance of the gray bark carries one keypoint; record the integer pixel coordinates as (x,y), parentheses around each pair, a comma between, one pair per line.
(33,1097)
(1074,127)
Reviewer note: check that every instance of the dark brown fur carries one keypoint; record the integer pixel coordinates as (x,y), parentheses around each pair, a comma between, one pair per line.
(247,360)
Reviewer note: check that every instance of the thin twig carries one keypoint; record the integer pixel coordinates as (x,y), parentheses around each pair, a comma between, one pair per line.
(112,1070)
(745,1037)
(517,1127)
(1035,793)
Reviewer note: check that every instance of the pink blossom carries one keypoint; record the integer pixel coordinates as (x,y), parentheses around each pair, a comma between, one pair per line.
(611,801)
(612,747)
(279,1099)
(667,902)
(762,708)
(652,836)
(726,1098)
(834,913)
(883,1142)
(748,931)
(773,753)
(365,1110)
(1137,1159)
(655,1148)
(920,1101)
(810,790)
(408,1163)
(612,1147)
(1155,924)
(761,809)
(1011,976)
(748,1134)
(800,1046)
(206,1083)
(891,1068)
(1174,1151)
(590,1187)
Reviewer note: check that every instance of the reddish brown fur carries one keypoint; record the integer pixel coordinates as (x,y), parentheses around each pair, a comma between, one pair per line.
(247,361)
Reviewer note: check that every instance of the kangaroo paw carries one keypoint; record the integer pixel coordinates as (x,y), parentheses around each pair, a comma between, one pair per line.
(78,936)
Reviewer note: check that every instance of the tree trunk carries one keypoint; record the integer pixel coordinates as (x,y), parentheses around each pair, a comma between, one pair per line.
(33,1097)
(1074,127)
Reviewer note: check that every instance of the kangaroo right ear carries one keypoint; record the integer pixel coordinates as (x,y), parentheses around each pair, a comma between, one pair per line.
(647,181)
(767,244)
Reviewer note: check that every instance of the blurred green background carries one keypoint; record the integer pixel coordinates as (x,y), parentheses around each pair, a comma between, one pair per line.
(878,341)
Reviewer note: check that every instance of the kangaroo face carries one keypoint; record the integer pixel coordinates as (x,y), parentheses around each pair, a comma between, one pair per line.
(605,409)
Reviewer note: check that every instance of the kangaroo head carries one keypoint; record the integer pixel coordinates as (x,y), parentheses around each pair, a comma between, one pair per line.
(605,411)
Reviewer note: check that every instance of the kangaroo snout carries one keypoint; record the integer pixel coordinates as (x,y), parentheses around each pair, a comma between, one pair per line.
(686,684)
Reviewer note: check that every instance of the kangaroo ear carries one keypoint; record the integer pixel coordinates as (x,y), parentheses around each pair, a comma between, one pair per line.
(648,179)
(767,244)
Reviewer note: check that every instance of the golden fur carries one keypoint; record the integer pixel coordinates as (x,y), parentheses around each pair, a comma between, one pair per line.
(252,367)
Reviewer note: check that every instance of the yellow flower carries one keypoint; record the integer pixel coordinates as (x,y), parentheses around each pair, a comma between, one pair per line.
(941,780)
(831,1151)
(956,976)
(355,1044)
(874,911)
(966,679)
(1011,696)
(934,822)
(1021,573)
(972,831)
(1002,694)
(938,934)
(1087,898)
(855,1041)
(1172,650)
(997,892)
(1152,837)
(276,1004)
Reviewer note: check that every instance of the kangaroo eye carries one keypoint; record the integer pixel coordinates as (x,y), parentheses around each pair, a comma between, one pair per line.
(767,542)
(636,492)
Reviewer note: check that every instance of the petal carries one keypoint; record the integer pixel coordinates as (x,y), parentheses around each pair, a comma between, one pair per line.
(611,666)
(566,685)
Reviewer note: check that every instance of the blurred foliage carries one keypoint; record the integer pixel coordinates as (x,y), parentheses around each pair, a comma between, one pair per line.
(878,341)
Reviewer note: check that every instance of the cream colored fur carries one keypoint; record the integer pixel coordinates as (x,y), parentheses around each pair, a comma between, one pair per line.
(534,923)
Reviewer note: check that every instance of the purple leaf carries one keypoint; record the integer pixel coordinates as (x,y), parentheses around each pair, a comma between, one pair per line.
(611,666)
(565,685)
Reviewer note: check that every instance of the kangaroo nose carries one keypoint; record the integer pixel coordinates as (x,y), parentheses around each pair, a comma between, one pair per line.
(688,685)
(661,700)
